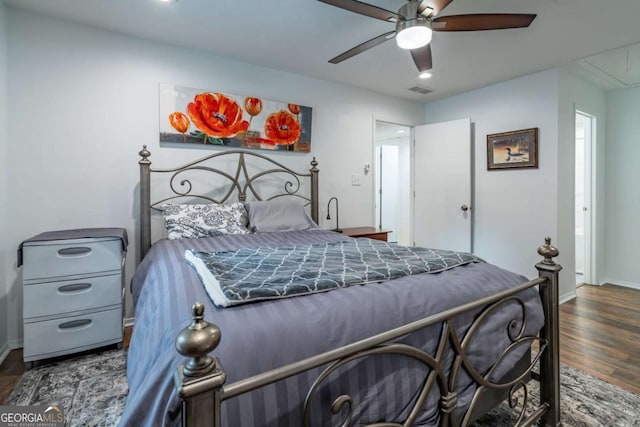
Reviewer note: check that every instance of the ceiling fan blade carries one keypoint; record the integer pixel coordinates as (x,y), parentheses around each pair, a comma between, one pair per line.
(435,6)
(482,21)
(422,57)
(365,9)
(363,46)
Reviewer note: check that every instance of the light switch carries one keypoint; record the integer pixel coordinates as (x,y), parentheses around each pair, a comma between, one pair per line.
(356,179)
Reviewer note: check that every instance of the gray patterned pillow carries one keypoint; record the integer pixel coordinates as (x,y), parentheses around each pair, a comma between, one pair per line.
(204,220)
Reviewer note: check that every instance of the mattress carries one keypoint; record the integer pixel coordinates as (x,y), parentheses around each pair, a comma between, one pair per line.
(260,336)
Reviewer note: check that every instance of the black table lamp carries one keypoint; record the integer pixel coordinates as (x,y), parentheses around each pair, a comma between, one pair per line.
(337,229)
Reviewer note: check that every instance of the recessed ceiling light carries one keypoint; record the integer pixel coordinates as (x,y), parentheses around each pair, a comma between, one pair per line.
(425,75)
(401,131)
(167,1)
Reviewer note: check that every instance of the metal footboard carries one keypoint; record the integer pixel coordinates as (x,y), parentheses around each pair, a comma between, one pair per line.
(200,382)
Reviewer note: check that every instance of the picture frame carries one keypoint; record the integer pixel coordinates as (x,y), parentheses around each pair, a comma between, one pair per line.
(513,150)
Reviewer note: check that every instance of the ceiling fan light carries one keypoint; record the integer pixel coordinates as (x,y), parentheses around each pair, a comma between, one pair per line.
(413,34)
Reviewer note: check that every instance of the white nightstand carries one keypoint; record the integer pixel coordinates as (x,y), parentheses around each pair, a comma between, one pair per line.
(73,292)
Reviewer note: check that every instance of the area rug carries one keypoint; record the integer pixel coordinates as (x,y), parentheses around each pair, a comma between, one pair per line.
(93,389)
(585,401)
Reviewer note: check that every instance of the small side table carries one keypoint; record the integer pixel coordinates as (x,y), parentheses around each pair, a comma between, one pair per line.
(73,285)
(369,232)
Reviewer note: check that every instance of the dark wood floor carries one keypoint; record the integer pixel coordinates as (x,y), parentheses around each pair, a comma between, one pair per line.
(599,334)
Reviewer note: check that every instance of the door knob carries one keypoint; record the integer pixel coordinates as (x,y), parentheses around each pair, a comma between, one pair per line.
(464,208)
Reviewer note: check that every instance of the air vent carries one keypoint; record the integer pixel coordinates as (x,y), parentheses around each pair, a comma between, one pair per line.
(421,89)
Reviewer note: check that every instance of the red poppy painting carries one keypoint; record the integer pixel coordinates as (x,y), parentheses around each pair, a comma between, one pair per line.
(198,116)
(282,128)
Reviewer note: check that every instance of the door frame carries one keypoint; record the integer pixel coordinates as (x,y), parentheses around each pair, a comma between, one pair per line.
(590,168)
(374,122)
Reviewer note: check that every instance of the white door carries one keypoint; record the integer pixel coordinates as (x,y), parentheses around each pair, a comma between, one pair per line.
(442,184)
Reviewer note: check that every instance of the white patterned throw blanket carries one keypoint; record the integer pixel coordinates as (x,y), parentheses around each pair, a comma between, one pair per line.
(245,275)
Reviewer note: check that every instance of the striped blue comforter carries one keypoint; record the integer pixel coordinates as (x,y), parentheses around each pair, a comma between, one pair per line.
(260,336)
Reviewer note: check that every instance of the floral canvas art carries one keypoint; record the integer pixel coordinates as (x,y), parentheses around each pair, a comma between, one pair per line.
(196,116)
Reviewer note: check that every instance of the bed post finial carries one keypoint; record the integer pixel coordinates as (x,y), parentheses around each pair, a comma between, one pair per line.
(196,341)
(144,153)
(548,252)
(199,381)
(550,333)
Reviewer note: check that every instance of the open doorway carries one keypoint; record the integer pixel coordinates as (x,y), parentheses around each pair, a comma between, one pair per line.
(585,132)
(392,152)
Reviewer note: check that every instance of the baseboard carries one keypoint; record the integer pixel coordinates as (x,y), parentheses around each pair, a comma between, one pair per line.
(567,297)
(4,352)
(128,321)
(620,283)
(16,344)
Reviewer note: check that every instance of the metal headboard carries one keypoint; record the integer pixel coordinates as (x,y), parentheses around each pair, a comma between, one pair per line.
(240,183)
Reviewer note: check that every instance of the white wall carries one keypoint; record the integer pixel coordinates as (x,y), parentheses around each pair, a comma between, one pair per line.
(623,188)
(514,209)
(577,93)
(83,101)
(4,246)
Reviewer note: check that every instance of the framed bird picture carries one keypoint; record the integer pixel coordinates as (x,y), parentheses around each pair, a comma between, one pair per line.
(513,150)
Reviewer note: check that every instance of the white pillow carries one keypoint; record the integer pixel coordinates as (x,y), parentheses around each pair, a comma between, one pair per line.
(204,220)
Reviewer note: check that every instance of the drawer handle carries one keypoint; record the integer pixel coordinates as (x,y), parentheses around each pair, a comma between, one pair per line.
(74,252)
(75,325)
(75,288)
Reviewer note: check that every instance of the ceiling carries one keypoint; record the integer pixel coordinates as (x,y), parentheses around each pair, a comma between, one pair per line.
(300,36)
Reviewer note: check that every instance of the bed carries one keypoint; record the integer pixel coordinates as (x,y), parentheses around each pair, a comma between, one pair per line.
(426,349)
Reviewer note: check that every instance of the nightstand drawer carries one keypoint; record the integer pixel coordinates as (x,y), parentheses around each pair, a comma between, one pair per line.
(66,296)
(70,333)
(82,256)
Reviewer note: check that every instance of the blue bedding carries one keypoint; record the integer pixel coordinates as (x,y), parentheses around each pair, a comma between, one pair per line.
(260,336)
(256,274)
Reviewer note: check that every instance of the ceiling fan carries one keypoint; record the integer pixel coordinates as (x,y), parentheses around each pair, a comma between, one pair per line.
(416,20)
